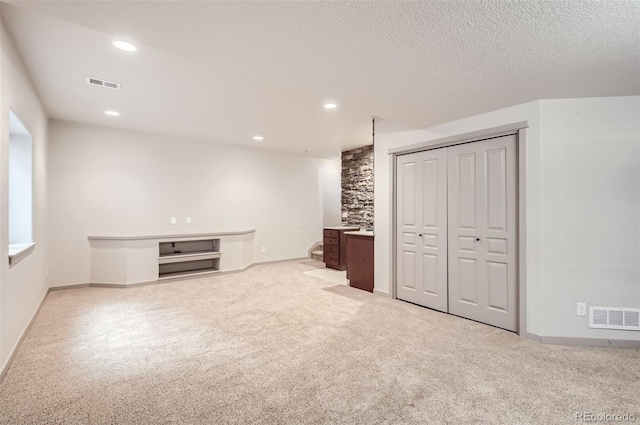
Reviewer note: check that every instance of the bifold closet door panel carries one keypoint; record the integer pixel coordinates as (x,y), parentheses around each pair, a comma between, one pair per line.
(482,231)
(407,193)
(422,228)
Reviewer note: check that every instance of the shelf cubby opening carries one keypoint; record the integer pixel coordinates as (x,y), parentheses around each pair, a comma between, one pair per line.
(189,267)
(189,247)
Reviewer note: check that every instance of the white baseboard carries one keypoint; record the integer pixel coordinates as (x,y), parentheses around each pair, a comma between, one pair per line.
(530,336)
(73,286)
(172,279)
(593,342)
(381,293)
(16,346)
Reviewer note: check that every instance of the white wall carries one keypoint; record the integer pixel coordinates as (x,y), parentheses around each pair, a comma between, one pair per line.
(589,210)
(105,181)
(328,174)
(581,174)
(23,285)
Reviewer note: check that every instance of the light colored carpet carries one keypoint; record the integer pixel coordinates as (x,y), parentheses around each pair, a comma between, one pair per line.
(333,276)
(275,346)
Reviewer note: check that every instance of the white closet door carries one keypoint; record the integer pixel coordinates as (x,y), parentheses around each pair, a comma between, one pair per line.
(422,228)
(482,231)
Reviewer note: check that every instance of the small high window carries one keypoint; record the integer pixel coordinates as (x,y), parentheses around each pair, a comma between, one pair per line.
(20,188)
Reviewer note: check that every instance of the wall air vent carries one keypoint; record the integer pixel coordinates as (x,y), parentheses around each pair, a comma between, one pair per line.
(614,318)
(103,83)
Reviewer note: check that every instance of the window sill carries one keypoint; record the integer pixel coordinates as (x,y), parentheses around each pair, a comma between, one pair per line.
(20,250)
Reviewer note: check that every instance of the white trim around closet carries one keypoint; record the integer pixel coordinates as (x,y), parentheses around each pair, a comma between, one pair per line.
(518,129)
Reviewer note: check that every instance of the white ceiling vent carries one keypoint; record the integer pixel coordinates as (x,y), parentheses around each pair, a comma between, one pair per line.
(614,318)
(103,83)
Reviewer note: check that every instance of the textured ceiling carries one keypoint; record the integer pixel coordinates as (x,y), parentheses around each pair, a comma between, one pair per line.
(244,66)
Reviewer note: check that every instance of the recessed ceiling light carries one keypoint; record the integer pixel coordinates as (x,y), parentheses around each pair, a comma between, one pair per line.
(258,138)
(330,105)
(112,113)
(124,45)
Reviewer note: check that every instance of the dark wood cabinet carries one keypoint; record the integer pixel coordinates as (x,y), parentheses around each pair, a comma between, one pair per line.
(335,247)
(360,268)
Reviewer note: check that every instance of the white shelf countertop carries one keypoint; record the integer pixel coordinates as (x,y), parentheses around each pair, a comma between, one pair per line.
(177,236)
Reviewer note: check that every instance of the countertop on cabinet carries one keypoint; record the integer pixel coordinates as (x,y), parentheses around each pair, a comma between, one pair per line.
(360,233)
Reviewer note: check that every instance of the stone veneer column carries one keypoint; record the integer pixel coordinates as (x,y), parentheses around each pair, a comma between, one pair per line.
(357,187)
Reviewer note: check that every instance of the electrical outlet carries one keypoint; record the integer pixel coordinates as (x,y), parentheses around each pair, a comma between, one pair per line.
(46,271)
(581,309)
(188,220)
(264,249)
(173,220)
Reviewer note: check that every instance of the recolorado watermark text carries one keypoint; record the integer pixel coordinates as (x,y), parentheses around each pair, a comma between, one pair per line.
(604,417)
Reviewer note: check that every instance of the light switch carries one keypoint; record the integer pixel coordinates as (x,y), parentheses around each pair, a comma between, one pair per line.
(173,220)
(581,309)
(188,220)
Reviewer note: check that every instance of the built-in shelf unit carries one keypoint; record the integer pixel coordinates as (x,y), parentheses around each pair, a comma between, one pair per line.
(188,257)
(123,260)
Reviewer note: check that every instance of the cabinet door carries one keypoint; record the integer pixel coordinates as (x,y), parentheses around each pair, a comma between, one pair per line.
(422,228)
(482,231)
(360,257)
